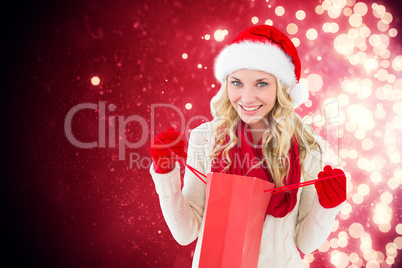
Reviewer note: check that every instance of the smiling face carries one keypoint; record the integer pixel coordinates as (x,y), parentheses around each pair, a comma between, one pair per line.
(253,95)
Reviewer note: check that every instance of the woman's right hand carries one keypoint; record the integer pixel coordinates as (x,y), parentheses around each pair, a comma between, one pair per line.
(164,160)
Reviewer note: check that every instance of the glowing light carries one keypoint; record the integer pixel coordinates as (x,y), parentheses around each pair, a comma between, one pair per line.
(397,107)
(365,31)
(300,15)
(326,4)
(367,144)
(188,106)
(184,56)
(339,3)
(375,40)
(393,183)
(315,82)
(269,22)
(383,27)
(398,242)
(347,209)
(199,66)
(332,27)
(382,214)
(386,198)
(398,228)
(393,32)
(347,11)
(387,18)
(311,34)
(343,44)
(219,35)
(292,28)
(295,41)
(353,154)
(357,199)
(355,20)
(309,258)
(371,64)
(319,10)
(279,11)
(379,11)
(339,259)
(325,246)
(254,20)
(334,12)
(361,117)
(207,37)
(95,81)
(397,63)
(360,9)
(354,59)
(354,257)
(363,189)
(334,243)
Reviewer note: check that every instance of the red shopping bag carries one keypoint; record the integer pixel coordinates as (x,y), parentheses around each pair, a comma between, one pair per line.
(235,213)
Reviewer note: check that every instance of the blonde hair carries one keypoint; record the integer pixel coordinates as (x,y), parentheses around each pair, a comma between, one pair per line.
(284,124)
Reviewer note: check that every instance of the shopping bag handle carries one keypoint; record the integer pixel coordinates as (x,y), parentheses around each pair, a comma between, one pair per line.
(300,184)
(195,171)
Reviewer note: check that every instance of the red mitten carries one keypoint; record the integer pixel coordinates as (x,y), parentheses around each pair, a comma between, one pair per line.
(164,160)
(331,192)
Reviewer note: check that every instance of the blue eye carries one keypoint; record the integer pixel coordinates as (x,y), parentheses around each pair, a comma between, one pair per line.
(236,83)
(262,84)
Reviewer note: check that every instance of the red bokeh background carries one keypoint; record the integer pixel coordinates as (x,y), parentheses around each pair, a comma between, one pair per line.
(73,207)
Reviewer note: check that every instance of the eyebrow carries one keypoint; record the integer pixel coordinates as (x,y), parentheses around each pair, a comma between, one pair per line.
(258,80)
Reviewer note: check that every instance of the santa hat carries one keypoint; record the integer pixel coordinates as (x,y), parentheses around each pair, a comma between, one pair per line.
(267,49)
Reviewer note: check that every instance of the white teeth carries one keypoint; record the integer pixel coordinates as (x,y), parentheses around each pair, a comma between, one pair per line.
(251,108)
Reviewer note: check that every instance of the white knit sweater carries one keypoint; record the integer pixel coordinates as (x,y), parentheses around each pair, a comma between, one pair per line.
(306,227)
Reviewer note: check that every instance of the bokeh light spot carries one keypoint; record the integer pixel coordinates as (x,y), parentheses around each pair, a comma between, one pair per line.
(386,198)
(319,10)
(300,15)
(360,9)
(279,11)
(269,22)
(347,11)
(315,82)
(295,41)
(397,63)
(95,80)
(393,32)
(311,34)
(219,35)
(398,229)
(343,44)
(363,189)
(292,28)
(355,20)
(254,20)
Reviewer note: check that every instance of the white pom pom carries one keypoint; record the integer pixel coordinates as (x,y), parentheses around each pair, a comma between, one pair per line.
(298,93)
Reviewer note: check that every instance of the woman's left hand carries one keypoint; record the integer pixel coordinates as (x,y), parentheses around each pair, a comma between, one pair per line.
(331,192)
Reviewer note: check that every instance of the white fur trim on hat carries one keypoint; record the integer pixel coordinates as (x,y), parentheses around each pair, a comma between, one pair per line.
(255,56)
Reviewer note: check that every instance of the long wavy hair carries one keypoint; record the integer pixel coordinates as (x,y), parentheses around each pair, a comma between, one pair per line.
(284,124)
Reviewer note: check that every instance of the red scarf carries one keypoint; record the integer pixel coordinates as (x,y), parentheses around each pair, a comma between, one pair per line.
(244,155)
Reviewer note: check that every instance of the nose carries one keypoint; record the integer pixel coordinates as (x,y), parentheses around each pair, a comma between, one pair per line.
(248,96)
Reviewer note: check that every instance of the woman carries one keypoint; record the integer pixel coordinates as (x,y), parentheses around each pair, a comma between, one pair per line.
(255,132)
